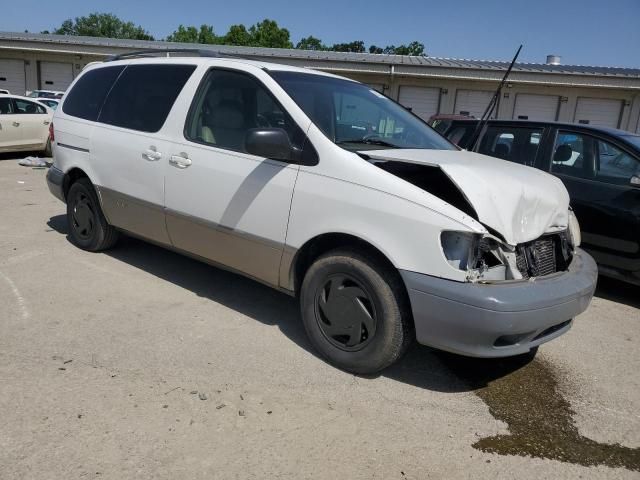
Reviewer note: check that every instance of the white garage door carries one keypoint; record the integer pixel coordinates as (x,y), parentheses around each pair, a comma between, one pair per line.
(422,101)
(12,76)
(602,112)
(55,75)
(473,102)
(536,107)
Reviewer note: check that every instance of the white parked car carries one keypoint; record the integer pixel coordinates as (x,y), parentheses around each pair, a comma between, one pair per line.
(52,103)
(45,94)
(323,188)
(24,125)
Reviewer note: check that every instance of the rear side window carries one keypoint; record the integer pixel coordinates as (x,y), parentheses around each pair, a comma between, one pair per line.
(6,106)
(516,144)
(143,96)
(87,96)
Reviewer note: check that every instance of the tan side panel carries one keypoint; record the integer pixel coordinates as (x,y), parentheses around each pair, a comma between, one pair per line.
(135,216)
(249,255)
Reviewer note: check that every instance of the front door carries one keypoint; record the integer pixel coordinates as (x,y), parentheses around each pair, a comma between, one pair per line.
(34,122)
(598,175)
(10,131)
(222,203)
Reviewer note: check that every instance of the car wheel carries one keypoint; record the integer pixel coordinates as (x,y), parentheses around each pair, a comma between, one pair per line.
(88,227)
(47,149)
(355,311)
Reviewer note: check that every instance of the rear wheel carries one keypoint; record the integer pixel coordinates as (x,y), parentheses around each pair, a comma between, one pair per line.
(47,149)
(88,227)
(355,311)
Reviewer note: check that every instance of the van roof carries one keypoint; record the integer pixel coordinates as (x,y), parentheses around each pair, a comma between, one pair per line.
(213,60)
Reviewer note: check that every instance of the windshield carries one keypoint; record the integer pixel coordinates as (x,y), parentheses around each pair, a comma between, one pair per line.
(357,117)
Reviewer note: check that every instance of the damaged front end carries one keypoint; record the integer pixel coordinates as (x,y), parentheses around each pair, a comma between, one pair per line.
(485,258)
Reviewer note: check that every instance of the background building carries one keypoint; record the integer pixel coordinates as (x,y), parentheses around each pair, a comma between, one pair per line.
(605,96)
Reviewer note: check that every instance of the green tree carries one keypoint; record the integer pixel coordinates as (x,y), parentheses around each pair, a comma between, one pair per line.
(414,48)
(103,25)
(311,43)
(357,47)
(267,33)
(237,35)
(192,35)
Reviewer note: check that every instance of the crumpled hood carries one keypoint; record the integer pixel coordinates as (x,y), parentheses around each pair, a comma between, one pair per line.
(519,202)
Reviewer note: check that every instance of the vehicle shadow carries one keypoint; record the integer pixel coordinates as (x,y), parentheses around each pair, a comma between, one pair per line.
(20,155)
(422,367)
(618,291)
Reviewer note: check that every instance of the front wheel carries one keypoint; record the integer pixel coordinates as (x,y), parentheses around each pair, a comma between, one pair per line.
(355,311)
(88,227)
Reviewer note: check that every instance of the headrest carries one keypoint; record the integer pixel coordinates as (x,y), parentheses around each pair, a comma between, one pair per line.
(563,153)
(502,150)
(226,115)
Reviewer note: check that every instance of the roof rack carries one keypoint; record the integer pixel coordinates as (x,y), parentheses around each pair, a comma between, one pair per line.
(166,52)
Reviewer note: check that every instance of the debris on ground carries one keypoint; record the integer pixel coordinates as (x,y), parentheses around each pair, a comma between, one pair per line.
(202,396)
(33,162)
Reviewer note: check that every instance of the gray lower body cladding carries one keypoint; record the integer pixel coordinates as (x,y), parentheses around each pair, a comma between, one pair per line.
(55,180)
(499,319)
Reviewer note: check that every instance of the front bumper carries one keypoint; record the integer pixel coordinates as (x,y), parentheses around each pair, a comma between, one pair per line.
(55,179)
(499,319)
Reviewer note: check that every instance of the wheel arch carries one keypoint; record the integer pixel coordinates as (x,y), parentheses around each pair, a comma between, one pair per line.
(70,177)
(303,258)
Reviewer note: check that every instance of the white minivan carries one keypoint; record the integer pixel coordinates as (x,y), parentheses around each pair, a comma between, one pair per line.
(323,188)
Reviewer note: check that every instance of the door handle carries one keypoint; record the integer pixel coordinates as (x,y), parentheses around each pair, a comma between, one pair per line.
(16,124)
(151,154)
(46,122)
(179,161)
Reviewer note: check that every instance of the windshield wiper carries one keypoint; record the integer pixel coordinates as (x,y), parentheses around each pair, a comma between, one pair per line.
(370,141)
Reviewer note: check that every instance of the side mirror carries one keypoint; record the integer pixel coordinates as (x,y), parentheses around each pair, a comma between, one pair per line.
(635,181)
(271,143)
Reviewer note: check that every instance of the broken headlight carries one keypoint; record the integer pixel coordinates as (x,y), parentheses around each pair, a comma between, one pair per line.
(459,248)
(472,252)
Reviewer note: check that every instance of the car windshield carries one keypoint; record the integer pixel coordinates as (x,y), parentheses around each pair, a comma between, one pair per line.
(355,116)
(632,139)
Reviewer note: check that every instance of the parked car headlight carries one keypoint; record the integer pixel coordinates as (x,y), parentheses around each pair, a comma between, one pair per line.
(574,229)
(482,257)
(460,248)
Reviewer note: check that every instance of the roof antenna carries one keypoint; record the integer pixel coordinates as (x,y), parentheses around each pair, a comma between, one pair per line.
(482,124)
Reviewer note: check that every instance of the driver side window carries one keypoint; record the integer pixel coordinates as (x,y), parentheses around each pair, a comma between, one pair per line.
(228,105)
(24,106)
(614,165)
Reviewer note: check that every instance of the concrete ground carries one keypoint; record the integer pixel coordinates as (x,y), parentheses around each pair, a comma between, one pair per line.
(141,363)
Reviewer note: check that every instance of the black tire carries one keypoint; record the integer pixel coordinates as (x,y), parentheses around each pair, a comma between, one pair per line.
(47,149)
(355,311)
(88,227)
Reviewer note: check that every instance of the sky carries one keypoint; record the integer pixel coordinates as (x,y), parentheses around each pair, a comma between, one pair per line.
(583,32)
